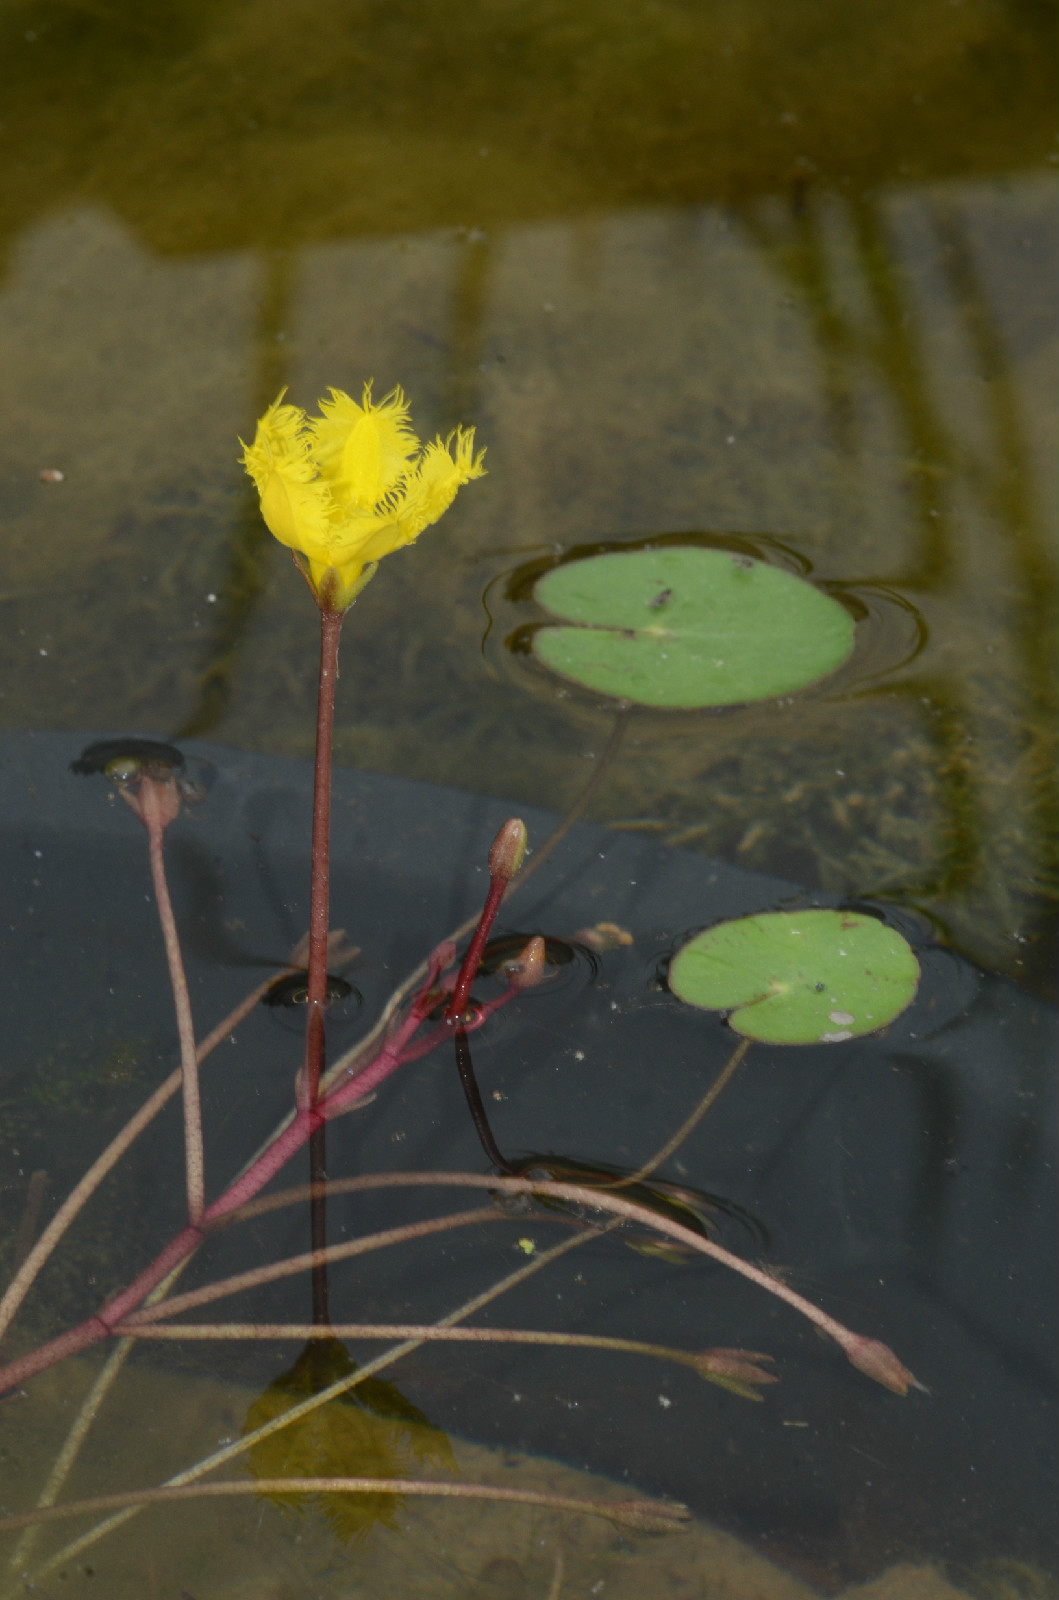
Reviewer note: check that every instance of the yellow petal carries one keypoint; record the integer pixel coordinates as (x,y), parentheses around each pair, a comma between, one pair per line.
(431,487)
(368,538)
(295,503)
(425,493)
(362,451)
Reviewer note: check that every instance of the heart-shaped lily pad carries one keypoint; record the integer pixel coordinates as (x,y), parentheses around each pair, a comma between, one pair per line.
(799,977)
(687,627)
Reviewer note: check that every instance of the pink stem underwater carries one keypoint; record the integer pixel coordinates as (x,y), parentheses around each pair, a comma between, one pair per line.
(104,1163)
(155,818)
(250,1183)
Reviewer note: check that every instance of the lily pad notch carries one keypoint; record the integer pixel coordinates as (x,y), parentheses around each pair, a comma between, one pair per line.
(686,628)
(799,977)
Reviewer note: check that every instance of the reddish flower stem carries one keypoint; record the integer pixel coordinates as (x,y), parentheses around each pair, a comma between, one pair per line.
(319,902)
(319,920)
(461,993)
(105,1163)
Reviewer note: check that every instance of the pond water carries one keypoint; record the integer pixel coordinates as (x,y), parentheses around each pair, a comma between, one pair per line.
(771,280)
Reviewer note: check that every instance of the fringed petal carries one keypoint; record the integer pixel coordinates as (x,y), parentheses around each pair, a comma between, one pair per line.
(363,450)
(431,487)
(369,538)
(423,495)
(295,503)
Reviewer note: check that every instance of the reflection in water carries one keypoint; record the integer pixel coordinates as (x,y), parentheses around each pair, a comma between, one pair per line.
(468,320)
(876,339)
(251,549)
(884,335)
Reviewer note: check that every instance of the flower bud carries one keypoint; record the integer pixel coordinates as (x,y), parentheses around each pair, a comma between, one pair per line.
(509,850)
(528,968)
(876,1359)
(738,1366)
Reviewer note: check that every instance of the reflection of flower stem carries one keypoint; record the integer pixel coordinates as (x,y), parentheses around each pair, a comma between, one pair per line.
(318,1224)
(654,1516)
(465,1067)
(242,583)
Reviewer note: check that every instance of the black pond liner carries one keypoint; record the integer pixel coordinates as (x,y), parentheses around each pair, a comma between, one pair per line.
(906,1181)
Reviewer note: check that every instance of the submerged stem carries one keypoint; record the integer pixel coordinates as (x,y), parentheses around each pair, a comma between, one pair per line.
(866,1354)
(240,1446)
(79,1429)
(155,821)
(580,805)
(656,1516)
(104,1163)
(689,1124)
(257,1276)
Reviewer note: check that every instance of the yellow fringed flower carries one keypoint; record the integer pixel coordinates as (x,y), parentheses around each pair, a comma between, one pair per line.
(345,488)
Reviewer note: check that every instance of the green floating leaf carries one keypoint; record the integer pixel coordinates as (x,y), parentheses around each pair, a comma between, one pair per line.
(799,977)
(687,627)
